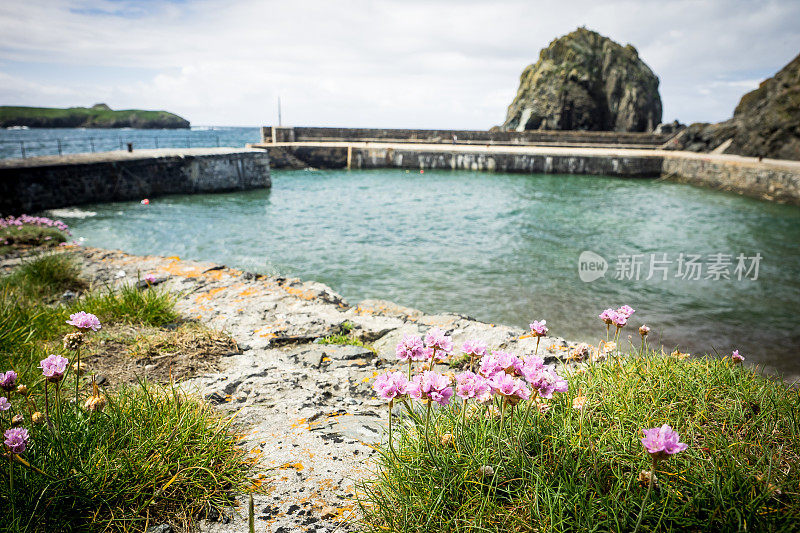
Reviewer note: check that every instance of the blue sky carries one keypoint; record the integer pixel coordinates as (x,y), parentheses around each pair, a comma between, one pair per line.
(400,63)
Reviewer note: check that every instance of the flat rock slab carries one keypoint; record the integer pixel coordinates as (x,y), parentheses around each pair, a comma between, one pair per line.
(305,409)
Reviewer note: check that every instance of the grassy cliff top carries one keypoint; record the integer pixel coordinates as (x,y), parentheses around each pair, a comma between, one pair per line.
(97,116)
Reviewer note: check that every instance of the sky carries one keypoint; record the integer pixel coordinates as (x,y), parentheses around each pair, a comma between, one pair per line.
(403,64)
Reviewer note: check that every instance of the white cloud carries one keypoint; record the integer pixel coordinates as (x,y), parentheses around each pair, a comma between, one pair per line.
(399,63)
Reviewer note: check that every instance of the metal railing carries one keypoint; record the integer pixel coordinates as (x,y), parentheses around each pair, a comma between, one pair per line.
(72,145)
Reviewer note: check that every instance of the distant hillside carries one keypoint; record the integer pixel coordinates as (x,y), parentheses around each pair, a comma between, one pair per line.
(97,116)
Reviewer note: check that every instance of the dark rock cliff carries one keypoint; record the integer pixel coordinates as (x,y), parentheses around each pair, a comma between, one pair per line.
(766,123)
(584,81)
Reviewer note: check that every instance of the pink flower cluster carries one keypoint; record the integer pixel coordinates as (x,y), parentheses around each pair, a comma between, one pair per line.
(5,405)
(53,367)
(662,442)
(437,346)
(474,348)
(439,341)
(471,386)
(391,385)
(26,220)
(16,439)
(539,328)
(542,378)
(500,373)
(83,320)
(411,348)
(8,380)
(431,386)
(619,317)
(736,357)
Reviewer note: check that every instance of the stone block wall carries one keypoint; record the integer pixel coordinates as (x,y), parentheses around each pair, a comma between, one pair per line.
(28,186)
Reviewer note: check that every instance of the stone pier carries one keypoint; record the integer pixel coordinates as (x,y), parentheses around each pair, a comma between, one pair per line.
(38,183)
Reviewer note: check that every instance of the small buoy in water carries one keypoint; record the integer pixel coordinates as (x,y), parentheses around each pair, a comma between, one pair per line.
(145,202)
(421,171)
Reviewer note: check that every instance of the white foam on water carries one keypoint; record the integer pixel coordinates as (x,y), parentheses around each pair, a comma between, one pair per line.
(70,213)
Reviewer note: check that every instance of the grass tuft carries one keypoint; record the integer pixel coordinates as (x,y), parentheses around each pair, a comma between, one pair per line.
(152,455)
(578,469)
(347,338)
(44,276)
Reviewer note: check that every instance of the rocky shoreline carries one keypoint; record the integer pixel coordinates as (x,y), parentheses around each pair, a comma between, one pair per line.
(305,410)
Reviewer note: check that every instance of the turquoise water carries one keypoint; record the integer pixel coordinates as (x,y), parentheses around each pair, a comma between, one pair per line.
(502,248)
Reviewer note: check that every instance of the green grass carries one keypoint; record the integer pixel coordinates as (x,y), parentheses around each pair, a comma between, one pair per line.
(152,455)
(346,337)
(152,452)
(44,276)
(576,470)
(128,304)
(28,236)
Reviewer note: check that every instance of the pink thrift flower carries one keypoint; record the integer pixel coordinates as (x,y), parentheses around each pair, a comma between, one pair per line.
(736,357)
(410,348)
(607,316)
(643,330)
(8,380)
(626,311)
(539,328)
(53,367)
(431,386)
(531,366)
(474,348)
(390,385)
(83,320)
(473,386)
(5,405)
(16,439)
(619,319)
(500,362)
(437,339)
(512,389)
(662,442)
(150,278)
(546,381)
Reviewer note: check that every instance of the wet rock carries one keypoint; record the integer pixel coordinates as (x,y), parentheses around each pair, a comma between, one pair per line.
(161,528)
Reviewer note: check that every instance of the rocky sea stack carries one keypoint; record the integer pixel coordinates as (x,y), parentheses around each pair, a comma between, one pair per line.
(584,81)
(766,123)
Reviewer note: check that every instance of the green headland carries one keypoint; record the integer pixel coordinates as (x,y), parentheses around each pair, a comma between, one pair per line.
(97,116)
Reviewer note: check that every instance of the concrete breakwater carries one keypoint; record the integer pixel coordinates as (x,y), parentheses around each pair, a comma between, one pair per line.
(278,134)
(775,180)
(38,183)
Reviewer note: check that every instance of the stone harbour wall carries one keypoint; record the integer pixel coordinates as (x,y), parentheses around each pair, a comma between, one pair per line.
(272,134)
(764,180)
(35,184)
(773,180)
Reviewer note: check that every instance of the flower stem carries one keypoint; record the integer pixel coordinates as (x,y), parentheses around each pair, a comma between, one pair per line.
(427,423)
(646,496)
(77,377)
(536,352)
(11,491)
(47,407)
